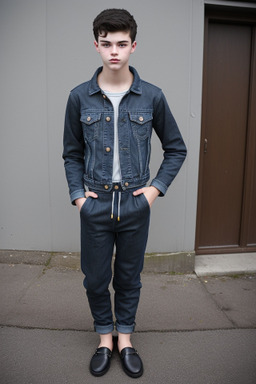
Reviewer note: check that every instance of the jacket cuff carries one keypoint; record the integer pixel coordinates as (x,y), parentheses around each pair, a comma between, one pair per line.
(160,186)
(77,195)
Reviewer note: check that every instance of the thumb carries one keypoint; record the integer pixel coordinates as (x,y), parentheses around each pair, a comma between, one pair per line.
(138,192)
(92,194)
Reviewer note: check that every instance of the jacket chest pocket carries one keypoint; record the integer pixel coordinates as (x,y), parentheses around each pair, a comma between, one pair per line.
(91,124)
(141,123)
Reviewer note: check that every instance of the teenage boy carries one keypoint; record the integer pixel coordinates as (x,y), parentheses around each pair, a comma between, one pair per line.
(107,134)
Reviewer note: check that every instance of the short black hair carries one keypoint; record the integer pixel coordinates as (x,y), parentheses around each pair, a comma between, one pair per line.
(114,20)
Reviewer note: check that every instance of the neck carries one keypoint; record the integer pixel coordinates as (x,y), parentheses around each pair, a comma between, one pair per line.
(115,81)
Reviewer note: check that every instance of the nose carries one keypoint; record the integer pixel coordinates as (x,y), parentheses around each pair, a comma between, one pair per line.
(114,50)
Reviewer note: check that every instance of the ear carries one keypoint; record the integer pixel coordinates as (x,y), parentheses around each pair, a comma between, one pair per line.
(134,45)
(96,44)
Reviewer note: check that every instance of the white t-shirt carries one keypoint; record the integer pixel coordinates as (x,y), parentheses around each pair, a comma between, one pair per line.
(115,99)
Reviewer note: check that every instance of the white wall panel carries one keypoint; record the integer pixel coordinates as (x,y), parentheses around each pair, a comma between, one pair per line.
(48,50)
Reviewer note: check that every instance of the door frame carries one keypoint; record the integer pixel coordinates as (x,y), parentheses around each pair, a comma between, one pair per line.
(220,13)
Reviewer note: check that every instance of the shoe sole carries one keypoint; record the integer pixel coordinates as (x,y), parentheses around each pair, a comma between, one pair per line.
(133,375)
(98,374)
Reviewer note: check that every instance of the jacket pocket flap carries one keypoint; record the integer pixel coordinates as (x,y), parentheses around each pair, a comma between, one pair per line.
(140,117)
(90,118)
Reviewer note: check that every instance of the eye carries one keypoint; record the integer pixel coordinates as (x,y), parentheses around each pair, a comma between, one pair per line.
(123,45)
(105,45)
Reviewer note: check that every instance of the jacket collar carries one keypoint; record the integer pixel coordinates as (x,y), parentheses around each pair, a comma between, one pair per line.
(135,87)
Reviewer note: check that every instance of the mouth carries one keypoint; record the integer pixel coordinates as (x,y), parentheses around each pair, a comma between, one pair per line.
(114,60)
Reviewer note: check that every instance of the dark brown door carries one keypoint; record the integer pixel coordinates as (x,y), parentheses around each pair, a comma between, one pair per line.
(226,217)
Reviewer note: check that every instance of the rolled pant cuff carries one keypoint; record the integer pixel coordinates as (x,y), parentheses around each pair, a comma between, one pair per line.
(125,328)
(104,329)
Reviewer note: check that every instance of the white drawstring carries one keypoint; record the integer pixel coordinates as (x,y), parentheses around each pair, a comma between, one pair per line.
(113,201)
(119,206)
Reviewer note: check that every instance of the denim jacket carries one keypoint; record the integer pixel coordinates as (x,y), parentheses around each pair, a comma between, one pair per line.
(89,138)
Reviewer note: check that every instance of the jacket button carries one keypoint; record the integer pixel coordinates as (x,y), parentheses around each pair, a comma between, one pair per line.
(108,118)
(126,184)
(104,96)
(106,187)
(141,118)
(116,187)
(108,149)
(89,118)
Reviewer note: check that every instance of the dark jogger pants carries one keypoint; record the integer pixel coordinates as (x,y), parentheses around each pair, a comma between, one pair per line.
(119,219)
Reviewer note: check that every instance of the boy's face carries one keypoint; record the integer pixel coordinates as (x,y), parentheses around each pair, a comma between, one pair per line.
(115,49)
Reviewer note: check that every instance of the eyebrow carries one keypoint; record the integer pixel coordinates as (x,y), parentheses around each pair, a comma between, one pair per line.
(119,42)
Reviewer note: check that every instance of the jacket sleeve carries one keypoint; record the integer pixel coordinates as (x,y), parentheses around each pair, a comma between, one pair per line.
(73,151)
(173,145)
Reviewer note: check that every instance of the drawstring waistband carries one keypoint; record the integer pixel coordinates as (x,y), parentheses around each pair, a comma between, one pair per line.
(118,207)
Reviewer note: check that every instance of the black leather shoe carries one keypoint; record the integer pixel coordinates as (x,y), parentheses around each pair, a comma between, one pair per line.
(131,362)
(100,361)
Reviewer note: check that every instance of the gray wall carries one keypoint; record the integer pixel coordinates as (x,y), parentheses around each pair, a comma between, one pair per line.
(47,49)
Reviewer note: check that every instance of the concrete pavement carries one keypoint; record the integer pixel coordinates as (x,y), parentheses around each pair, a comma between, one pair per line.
(190,329)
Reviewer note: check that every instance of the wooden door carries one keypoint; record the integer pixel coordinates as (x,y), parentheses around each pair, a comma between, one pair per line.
(226,217)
